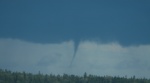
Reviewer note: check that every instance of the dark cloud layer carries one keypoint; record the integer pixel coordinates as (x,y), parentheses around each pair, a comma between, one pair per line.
(126,21)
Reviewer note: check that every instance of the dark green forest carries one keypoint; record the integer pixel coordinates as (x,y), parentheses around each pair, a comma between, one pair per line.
(7,76)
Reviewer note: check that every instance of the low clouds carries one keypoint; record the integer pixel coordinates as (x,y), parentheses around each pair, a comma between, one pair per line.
(91,57)
(113,59)
(47,58)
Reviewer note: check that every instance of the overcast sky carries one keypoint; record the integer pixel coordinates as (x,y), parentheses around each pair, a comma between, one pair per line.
(100,37)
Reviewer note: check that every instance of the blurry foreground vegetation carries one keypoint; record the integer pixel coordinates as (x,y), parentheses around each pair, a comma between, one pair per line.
(22,77)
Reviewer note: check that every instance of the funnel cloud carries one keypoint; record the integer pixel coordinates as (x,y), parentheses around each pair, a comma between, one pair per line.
(76,45)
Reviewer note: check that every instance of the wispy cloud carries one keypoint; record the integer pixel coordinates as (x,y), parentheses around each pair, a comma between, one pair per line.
(91,57)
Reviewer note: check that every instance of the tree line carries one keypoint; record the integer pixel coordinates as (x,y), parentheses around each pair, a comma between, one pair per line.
(7,76)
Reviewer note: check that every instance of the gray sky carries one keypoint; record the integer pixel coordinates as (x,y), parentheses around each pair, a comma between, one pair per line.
(106,35)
